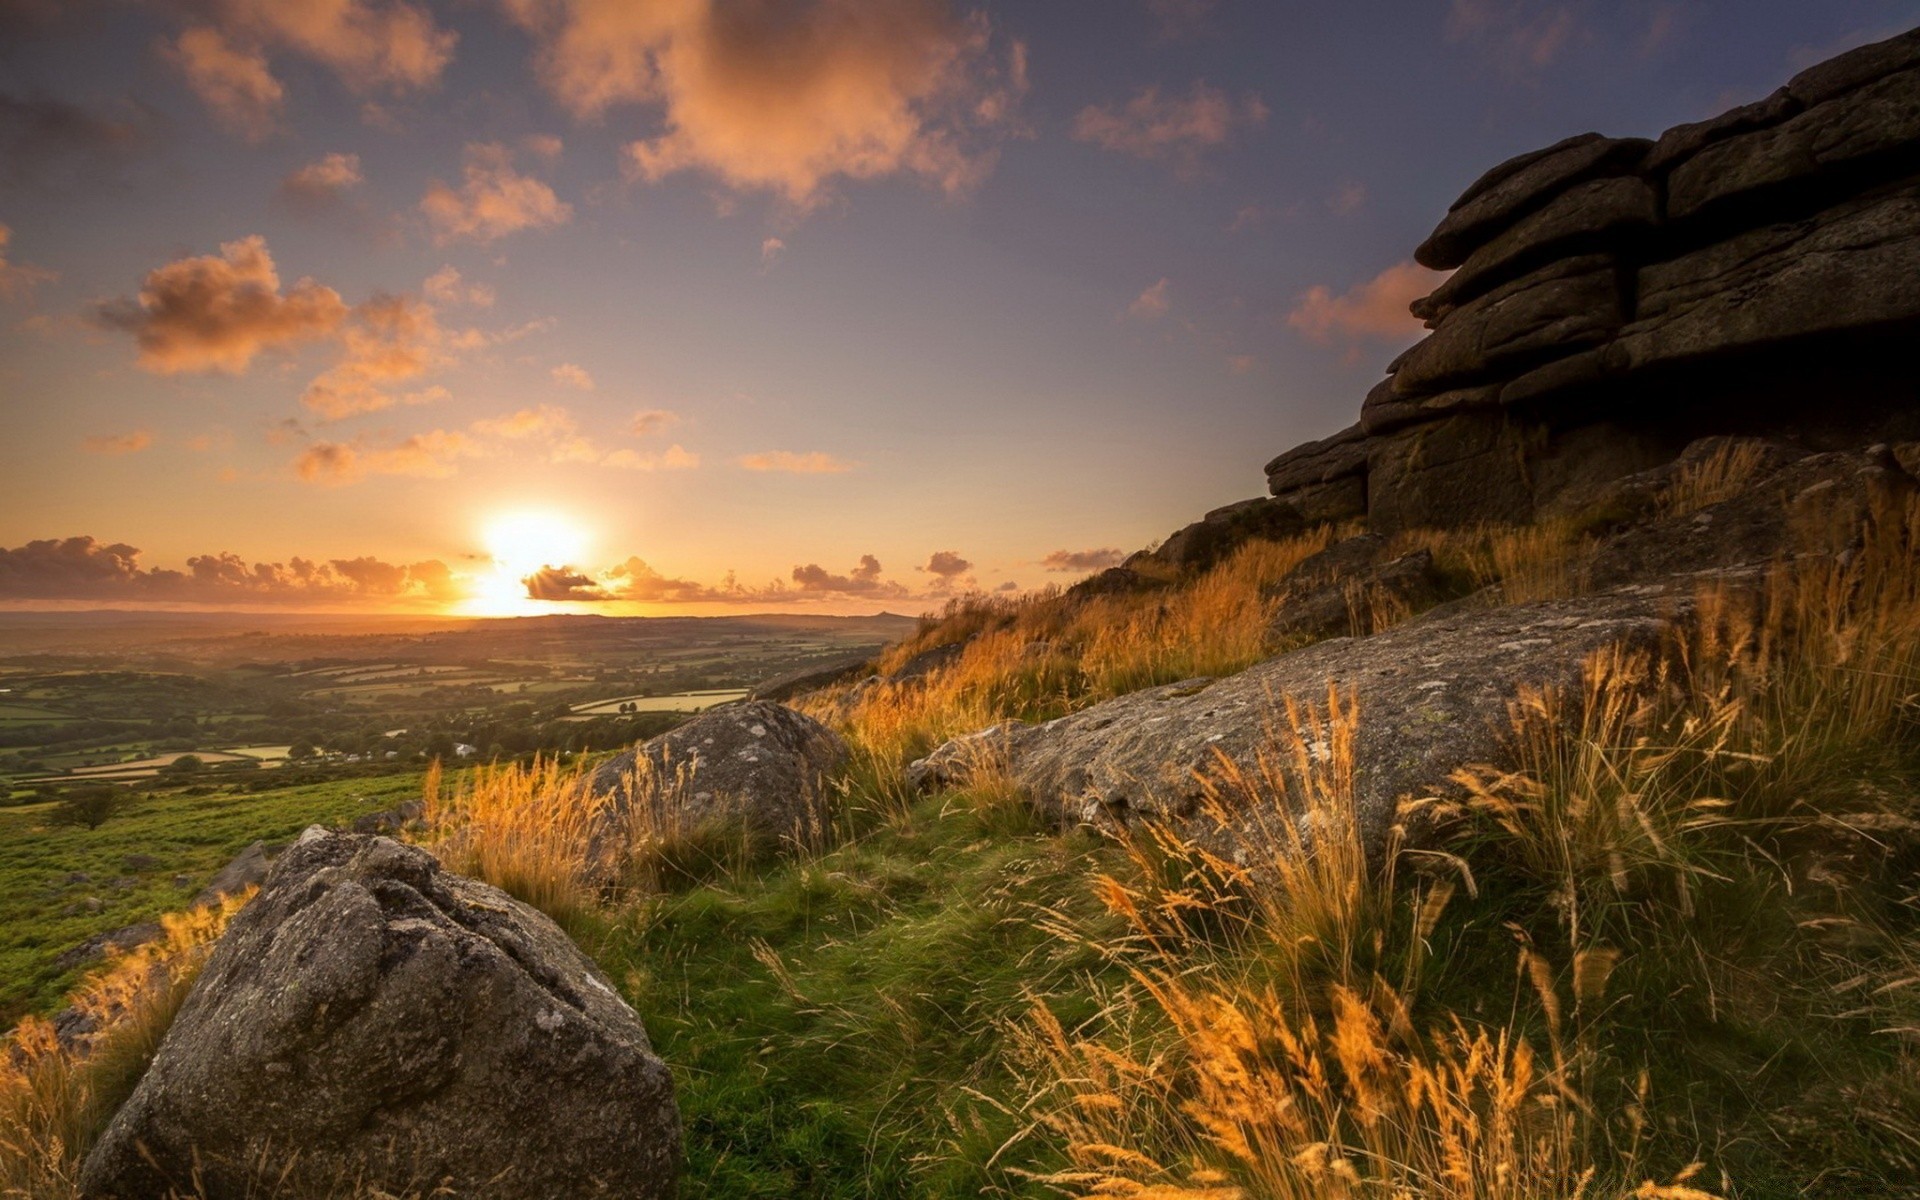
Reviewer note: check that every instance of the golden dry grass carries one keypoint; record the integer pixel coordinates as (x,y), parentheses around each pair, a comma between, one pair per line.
(54,1099)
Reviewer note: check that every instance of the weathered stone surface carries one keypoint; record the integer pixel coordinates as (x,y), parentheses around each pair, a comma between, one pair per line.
(116,941)
(1352,588)
(927,663)
(1586,216)
(1384,412)
(1684,141)
(808,679)
(248,869)
(1560,308)
(761,764)
(1432,696)
(1464,470)
(389,820)
(1495,207)
(378,1023)
(1329,503)
(1861,65)
(1343,453)
(1879,119)
(1205,542)
(1854,267)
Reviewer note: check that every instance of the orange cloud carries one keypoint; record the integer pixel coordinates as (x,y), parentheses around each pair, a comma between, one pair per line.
(368,44)
(390,339)
(118,443)
(573,375)
(18,280)
(429,455)
(786,98)
(1083,560)
(322,185)
(81,568)
(217,313)
(652,421)
(1151,303)
(863,580)
(812,463)
(494,201)
(1153,126)
(542,421)
(447,287)
(234,82)
(674,458)
(1376,309)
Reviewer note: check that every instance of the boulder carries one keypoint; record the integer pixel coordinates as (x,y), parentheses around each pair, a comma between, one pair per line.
(1684,141)
(373,1022)
(389,820)
(1213,537)
(1490,208)
(1879,120)
(1855,68)
(1432,695)
(1343,453)
(760,764)
(927,663)
(1854,267)
(247,869)
(1561,307)
(1466,469)
(1596,215)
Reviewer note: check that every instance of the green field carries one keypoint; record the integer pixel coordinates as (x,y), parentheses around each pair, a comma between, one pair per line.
(46,909)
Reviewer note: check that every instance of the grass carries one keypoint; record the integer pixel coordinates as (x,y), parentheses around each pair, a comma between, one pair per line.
(131,864)
(1670,951)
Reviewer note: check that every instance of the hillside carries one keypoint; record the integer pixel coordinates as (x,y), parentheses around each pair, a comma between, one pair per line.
(1521,801)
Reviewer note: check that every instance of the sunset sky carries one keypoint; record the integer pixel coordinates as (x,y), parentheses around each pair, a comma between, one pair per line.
(675,306)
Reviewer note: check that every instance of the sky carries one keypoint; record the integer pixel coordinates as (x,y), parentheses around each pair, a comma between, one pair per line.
(696,306)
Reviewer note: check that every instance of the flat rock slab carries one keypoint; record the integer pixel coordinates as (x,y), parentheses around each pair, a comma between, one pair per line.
(1432,696)
(380,1023)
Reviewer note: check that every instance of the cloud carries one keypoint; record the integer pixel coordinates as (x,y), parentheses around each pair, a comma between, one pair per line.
(946,564)
(367,44)
(771,251)
(429,455)
(542,421)
(573,376)
(1243,364)
(118,443)
(632,580)
(674,458)
(652,421)
(234,82)
(47,142)
(788,98)
(1376,309)
(217,313)
(813,463)
(1083,560)
(494,201)
(1169,128)
(390,339)
(17,280)
(81,568)
(1152,303)
(322,185)
(1347,199)
(1180,18)
(1521,36)
(863,580)
(446,286)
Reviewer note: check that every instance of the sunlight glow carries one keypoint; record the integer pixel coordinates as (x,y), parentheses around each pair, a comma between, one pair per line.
(519,544)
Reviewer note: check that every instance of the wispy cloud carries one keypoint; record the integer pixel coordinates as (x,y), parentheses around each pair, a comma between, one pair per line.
(1169,128)
(323,183)
(572,375)
(814,462)
(17,280)
(118,443)
(1083,560)
(1373,310)
(1520,36)
(1152,302)
(493,201)
(430,455)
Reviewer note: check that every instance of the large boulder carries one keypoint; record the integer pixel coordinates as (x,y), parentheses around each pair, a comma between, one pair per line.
(1432,696)
(370,1021)
(759,764)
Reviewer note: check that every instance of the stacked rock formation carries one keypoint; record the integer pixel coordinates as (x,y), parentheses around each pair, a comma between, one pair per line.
(1614,298)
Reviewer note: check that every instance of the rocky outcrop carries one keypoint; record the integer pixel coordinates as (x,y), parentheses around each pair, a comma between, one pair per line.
(809,679)
(1613,299)
(1432,695)
(371,1021)
(1353,587)
(759,764)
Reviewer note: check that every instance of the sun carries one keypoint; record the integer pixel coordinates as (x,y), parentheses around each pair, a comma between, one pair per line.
(518,544)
